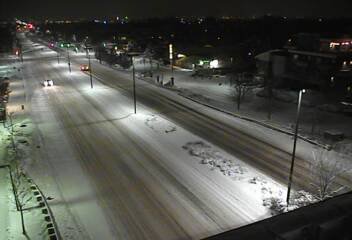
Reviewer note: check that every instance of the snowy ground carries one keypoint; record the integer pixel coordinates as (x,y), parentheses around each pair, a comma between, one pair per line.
(217,92)
(10,222)
(143,176)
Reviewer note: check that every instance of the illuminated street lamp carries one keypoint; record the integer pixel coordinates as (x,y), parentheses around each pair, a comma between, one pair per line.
(134,86)
(171,57)
(69,60)
(90,67)
(294,145)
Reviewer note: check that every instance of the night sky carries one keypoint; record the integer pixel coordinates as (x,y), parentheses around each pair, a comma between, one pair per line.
(161,8)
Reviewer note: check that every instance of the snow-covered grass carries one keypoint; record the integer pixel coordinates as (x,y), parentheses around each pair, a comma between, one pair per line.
(257,185)
(10,223)
(213,161)
(14,148)
(162,127)
(219,93)
(90,138)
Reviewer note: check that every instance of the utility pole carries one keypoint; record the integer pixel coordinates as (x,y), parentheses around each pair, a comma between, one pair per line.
(171,57)
(90,68)
(90,71)
(69,60)
(134,87)
(294,146)
(151,65)
(21,53)
(269,82)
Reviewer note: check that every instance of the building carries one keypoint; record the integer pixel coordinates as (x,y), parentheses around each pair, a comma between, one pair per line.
(308,61)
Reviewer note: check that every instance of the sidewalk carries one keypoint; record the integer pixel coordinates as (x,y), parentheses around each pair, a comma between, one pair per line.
(10,220)
(218,94)
(5,204)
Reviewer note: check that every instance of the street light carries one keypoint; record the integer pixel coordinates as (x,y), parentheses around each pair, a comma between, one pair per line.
(90,68)
(294,145)
(134,87)
(21,53)
(171,57)
(69,60)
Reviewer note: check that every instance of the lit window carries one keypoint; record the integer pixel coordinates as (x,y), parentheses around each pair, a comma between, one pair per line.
(334,44)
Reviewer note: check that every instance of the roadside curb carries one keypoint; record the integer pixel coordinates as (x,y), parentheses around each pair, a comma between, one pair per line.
(51,226)
(248,119)
(324,146)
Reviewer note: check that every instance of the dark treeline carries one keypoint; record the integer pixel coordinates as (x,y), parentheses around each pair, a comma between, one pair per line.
(259,34)
(6,38)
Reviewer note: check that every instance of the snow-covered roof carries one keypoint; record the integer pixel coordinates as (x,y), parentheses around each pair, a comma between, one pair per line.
(265,56)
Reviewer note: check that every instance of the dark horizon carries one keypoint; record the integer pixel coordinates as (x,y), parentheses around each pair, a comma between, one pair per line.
(158,8)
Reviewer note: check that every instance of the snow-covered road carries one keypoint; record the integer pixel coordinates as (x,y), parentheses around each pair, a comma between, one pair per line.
(116,175)
(111,174)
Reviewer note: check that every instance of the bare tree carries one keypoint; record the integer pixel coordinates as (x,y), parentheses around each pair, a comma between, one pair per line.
(268,84)
(23,192)
(326,167)
(242,85)
(23,195)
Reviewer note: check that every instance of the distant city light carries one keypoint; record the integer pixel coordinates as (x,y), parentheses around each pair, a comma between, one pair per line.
(170,51)
(334,44)
(214,64)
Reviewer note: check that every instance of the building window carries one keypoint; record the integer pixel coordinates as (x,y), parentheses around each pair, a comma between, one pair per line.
(333,45)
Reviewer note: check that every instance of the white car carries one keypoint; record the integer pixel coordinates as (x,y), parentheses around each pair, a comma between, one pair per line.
(48,83)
